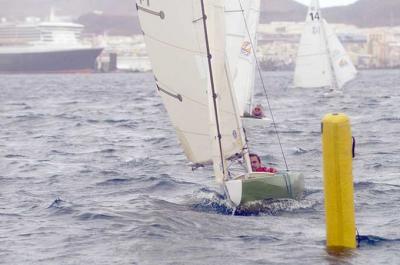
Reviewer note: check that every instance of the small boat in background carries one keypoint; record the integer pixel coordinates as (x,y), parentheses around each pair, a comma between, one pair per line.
(321,60)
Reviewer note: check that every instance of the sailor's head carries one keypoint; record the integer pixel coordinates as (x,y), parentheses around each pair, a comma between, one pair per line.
(257,111)
(255,161)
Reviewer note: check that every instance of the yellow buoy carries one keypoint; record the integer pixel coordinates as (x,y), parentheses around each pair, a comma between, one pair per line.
(338,181)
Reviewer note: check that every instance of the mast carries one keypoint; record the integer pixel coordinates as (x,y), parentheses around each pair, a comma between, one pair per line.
(214,97)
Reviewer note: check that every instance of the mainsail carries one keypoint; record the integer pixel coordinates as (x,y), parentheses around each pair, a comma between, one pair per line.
(195,86)
(321,60)
(241,19)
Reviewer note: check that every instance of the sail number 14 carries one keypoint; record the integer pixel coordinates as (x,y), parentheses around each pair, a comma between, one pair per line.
(314,16)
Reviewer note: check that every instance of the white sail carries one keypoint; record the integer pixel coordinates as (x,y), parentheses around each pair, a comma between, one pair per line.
(312,63)
(321,60)
(240,44)
(179,66)
(175,40)
(343,67)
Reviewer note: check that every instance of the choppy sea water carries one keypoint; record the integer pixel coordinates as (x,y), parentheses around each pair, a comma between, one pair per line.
(91,172)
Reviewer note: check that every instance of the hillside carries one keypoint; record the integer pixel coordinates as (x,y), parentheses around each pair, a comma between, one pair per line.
(282,10)
(364,13)
(74,8)
(121,18)
(367,13)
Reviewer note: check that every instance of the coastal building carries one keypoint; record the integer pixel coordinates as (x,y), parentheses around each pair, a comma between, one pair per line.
(124,53)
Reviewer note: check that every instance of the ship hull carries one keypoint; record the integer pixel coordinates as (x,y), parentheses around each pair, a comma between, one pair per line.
(57,61)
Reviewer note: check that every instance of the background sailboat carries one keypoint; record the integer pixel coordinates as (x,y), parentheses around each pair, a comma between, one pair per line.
(241,18)
(186,43)
(321,60)
(241,22)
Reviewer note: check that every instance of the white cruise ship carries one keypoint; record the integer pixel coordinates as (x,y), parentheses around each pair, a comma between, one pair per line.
(52,46)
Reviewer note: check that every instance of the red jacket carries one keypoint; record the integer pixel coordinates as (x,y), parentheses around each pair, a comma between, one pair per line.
(266,169)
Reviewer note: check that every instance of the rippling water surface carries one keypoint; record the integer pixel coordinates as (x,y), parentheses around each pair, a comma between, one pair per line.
(91,172)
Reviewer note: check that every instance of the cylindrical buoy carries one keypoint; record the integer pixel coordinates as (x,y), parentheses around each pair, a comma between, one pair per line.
(338,181)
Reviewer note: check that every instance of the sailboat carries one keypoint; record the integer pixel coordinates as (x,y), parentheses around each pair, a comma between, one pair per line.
(241,22)
(321,60)
(186,43)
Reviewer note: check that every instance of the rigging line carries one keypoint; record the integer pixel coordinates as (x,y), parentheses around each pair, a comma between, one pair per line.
(263,85)
(214,95)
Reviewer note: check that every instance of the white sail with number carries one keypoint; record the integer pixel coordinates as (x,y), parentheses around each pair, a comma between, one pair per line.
(312,63)
(321,59)
(175,38)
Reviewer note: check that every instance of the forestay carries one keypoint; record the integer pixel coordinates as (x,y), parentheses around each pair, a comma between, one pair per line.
(240,43)
(175,41)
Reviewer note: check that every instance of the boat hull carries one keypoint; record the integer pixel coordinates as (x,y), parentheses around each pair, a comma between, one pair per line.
(72,60)
(249,121)
(258,186)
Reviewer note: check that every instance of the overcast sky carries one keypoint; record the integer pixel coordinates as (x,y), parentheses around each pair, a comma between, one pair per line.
(326,3)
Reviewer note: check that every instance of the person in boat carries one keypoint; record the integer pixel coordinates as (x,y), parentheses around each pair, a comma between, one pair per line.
(258,112)
(257,166)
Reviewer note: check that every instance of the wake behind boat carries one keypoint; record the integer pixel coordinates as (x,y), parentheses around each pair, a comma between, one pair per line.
(187,45)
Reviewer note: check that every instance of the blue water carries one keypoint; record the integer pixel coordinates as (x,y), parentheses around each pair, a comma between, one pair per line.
(91,172)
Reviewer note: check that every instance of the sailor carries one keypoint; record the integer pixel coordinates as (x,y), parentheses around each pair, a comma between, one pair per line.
(258,112)
(256,165)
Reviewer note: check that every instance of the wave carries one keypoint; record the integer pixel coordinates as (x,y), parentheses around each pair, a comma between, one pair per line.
(214,202)
(371,240)
(61,207)
(115,181)
(94,216)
